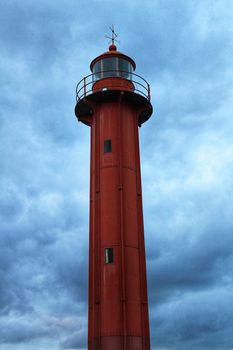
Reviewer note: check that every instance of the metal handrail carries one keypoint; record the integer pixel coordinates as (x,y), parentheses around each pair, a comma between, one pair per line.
(85,85)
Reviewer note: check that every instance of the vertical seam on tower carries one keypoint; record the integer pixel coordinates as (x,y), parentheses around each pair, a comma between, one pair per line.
(90,277)
(97,235)
(141,245)
(123,301)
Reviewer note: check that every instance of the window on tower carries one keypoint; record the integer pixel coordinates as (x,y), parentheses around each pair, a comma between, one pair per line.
(107,146)
(108,255)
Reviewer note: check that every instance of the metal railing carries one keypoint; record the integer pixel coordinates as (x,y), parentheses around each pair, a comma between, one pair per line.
(85,86)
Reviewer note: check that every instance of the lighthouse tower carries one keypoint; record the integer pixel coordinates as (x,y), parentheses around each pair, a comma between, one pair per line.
(114,102)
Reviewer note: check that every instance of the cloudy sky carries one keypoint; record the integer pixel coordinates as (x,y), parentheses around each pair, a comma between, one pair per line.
(184,48)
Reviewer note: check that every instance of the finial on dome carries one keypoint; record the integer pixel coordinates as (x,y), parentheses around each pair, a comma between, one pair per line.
(112,47)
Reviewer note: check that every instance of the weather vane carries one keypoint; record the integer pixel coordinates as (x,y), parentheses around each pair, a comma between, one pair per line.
(113,37)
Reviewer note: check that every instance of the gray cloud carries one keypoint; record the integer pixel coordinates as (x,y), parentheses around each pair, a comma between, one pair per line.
(199,324)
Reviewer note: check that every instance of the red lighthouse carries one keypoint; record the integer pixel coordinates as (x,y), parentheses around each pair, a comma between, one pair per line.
(114,101)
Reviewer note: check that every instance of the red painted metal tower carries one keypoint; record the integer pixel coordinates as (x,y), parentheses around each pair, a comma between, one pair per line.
(114,101)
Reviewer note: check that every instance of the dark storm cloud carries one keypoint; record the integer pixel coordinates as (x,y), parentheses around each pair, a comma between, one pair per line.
(43,264)
(198,265)
(198,323)
(185,52)
(36,76)
(75,341)
(39,272)
(11,205)
(188,193)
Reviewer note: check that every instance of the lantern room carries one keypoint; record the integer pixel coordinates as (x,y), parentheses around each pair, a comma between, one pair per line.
(112,70)
(112,64)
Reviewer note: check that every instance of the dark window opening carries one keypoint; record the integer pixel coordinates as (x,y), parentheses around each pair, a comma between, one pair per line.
(107,146)
(108,255)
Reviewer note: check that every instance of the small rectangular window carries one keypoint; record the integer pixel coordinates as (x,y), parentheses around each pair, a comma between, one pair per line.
(107,146)
(108,255)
